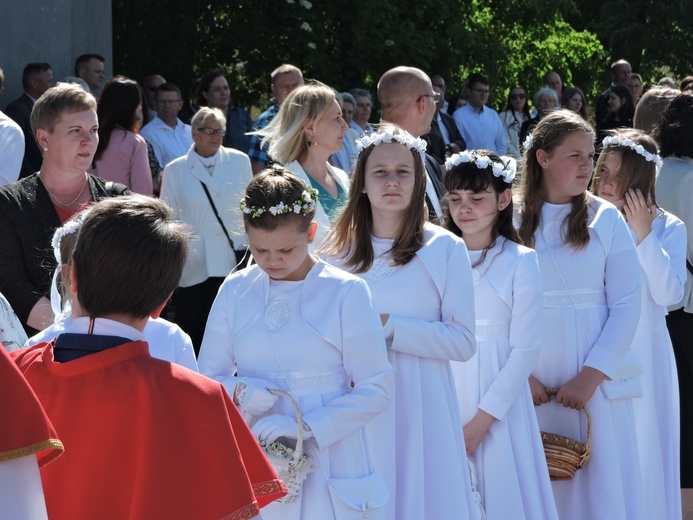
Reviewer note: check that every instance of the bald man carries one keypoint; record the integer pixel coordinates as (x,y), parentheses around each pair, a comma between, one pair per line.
(408,100)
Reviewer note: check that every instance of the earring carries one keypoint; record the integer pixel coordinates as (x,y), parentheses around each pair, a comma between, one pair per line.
(45,149)
(314,143)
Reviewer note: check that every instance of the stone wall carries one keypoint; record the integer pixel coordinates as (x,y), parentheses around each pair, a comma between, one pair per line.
(52,31)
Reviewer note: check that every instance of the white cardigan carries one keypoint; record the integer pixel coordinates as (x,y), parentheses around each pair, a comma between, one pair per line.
(210,254)
(340,178)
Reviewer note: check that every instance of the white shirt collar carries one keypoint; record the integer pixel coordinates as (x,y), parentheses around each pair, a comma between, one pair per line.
(104,327)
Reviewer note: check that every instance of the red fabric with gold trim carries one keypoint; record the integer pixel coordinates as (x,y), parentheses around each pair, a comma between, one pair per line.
(145,439)
(26,429)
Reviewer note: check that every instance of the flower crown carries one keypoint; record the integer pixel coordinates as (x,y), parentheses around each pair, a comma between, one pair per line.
(638,148)
(306,204)
(403,137)
(507,168)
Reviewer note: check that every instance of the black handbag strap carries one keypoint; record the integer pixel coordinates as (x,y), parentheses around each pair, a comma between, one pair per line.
(216,214)
(689,266)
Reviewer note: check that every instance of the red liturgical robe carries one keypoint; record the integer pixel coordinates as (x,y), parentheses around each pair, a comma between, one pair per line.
(145,439)
(24,426)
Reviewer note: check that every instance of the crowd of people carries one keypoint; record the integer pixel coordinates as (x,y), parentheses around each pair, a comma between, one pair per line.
(409,308)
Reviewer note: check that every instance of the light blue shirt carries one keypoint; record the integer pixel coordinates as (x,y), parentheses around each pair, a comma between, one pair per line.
(481,129)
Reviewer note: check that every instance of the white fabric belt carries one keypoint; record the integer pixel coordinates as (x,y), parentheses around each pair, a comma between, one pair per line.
(581,299)
(492,328)
(301,383)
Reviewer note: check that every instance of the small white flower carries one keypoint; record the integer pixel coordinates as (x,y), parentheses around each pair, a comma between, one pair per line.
(640,149)
(305,196)
(529,142)
(483,162)
(246,210)
(297,209)
(497,169)
(311,45)
(626,142)
(306,27)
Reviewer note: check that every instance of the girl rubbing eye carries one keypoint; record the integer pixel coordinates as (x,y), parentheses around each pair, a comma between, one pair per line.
(494,397)
(626,177)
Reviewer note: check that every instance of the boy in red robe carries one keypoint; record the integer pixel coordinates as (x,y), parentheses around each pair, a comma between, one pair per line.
(143,438)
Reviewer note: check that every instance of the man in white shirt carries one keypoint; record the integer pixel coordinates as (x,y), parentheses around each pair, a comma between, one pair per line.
(408,100)
(480,126)
(11,145)
(169,136)
(362,114)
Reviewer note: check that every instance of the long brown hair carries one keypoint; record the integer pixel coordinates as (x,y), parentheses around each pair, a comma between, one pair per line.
(550,133)
(636,171)
(351,233)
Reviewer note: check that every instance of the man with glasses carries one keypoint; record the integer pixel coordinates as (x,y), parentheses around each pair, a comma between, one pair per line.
(480,126)
(169,136)
(408,100)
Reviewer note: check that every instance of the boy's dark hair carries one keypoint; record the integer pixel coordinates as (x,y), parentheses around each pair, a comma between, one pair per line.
(475,78)
(129,256)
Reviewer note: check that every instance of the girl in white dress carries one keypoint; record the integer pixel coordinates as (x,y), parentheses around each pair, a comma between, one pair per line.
(625,177)
(591,282)
(421,282)
(500,427)
(294,322)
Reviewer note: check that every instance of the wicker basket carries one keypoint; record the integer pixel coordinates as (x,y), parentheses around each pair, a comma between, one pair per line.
(291,465)
(564,456)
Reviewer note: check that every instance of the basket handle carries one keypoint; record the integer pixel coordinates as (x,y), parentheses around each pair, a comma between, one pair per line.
(298,452)
(552,392)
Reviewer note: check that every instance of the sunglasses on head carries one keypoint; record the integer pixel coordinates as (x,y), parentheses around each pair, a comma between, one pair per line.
(518,96)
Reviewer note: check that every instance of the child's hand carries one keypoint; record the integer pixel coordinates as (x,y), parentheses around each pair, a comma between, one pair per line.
(539,395)
(639,213)
(475,430)
(576,392)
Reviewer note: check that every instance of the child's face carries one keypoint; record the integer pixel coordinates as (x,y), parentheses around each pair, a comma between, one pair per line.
(390,178)
(568,169)
(476,213)
(610,184)
(282,252)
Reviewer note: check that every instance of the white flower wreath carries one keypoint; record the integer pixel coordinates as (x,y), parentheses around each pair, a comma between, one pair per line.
(506,169)
(402,137)
(306,204)
(613,140)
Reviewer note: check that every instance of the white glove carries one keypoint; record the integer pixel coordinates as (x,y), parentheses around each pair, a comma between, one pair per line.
(254,396)
(270,428)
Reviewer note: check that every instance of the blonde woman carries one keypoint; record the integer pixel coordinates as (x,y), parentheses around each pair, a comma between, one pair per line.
(308,128)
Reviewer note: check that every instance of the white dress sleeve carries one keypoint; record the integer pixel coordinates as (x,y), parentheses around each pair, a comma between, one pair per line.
(525,338)
(216,359)
(364,357)
(623,281)
(664,263)
(451,338)
(21,492)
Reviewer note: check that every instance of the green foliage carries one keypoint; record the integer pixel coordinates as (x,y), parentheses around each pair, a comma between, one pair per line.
(346,44)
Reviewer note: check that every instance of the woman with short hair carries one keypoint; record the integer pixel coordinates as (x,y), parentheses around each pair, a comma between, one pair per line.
(65,125)
(205,187)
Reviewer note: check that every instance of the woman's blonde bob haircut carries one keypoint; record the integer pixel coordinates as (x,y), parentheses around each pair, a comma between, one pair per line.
(303,107)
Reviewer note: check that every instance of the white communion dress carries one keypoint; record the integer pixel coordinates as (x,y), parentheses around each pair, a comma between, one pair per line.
(512,475)
(591,309)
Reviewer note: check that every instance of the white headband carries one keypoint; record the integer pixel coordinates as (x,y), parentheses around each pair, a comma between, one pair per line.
(403,137)
(613,140)
(506,169)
